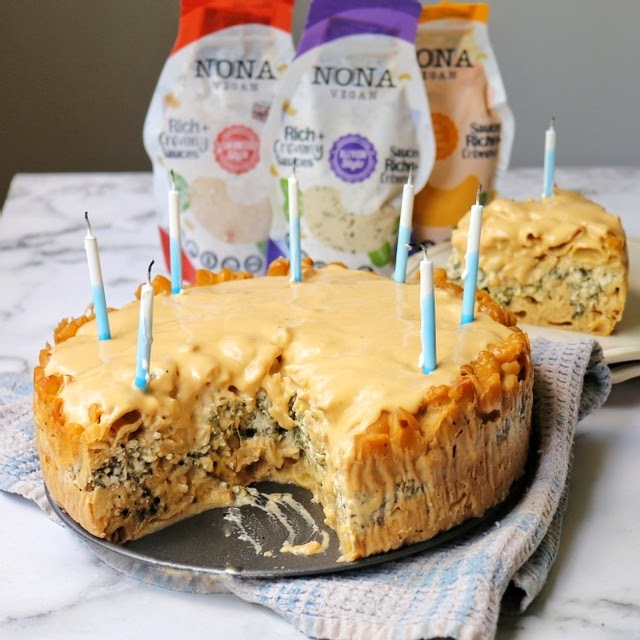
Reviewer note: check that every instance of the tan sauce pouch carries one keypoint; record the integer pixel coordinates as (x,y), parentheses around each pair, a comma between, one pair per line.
(472,122)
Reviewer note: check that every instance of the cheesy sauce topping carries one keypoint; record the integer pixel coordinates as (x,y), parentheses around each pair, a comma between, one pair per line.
(348,341)
(519,238)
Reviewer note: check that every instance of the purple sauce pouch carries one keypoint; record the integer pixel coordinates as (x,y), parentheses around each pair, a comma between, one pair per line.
(352,112)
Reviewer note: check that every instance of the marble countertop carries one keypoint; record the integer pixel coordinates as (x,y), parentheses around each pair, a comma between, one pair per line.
(54,587)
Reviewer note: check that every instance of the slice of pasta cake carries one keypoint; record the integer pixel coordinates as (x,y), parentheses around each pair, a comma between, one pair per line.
(561,261)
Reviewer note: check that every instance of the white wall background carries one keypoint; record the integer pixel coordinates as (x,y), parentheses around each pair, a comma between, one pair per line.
(576,60)
(77,76)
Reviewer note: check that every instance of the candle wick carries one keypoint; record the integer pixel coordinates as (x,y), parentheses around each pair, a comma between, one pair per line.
(173,181)
(419,245)
(410,178)
(86,218)
(293,170)
(478,193)
(149,272)
(552,123)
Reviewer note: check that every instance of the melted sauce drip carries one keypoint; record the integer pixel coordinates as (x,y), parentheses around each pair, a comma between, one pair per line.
(273,505)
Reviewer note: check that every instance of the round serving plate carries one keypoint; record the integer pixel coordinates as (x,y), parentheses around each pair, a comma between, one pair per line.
(199,553)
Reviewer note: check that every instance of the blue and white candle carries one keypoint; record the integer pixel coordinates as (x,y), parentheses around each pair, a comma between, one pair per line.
(295,258)
(97,286)
(428,358)
(145,333)
(427,361)
(549,159)
(175,242)
(404,230)
(471,259)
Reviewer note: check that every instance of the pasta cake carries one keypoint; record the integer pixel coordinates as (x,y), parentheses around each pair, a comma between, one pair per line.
(313,383)
(561,261)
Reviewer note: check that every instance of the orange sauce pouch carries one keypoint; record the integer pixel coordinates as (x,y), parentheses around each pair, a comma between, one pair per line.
(472,123)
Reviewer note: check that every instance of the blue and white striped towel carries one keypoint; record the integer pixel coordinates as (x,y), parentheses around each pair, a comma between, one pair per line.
(454,591)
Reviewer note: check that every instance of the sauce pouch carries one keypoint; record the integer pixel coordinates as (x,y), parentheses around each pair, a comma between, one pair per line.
(352,112)
(472,122)
(205,122)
